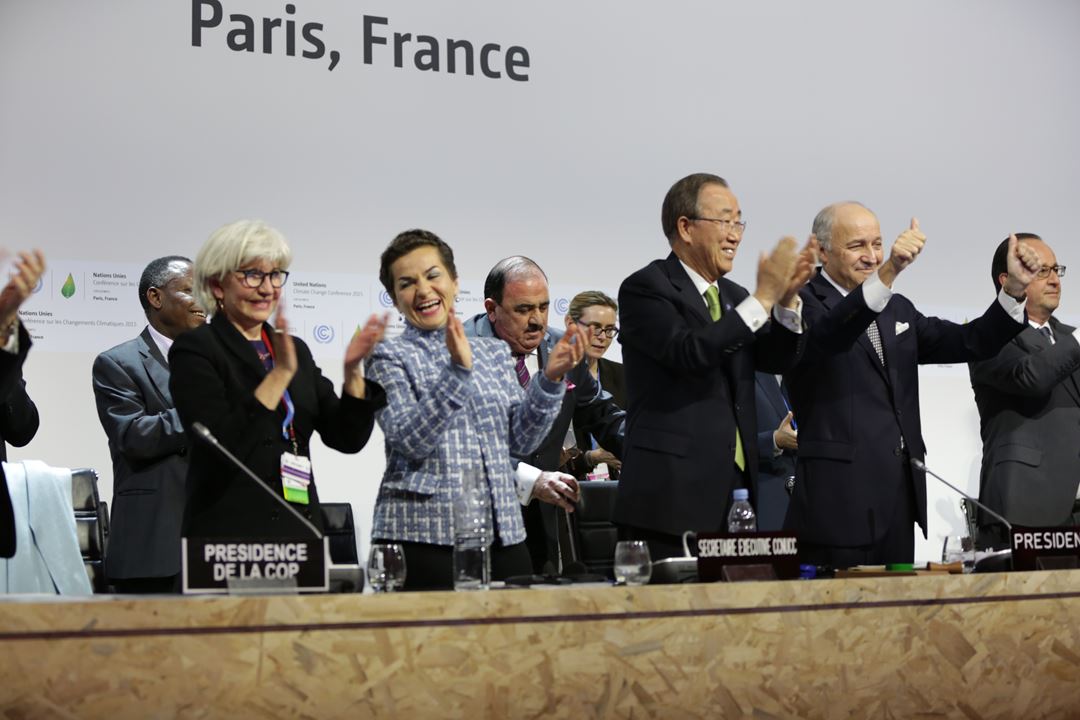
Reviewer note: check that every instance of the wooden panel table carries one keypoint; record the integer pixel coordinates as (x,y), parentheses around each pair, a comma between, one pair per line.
(985,646)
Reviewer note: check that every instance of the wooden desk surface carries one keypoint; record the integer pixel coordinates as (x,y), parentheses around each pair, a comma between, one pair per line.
(977,646)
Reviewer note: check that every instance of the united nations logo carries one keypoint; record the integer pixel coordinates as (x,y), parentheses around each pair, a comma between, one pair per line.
(323,333)
(385,300)
(561,305)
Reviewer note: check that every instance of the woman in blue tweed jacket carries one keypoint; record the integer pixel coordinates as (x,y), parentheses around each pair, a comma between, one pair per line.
(455,411)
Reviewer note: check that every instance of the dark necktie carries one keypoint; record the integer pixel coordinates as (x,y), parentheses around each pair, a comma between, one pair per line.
(1046,332)
(875,340)
(522,371)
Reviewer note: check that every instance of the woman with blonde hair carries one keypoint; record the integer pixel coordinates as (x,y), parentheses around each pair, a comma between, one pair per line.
(260,393)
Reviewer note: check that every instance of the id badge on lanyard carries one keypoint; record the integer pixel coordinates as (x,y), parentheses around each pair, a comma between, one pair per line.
(295,468)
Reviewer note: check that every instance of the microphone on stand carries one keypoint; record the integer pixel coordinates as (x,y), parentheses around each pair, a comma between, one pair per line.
(204,433)
(920,465)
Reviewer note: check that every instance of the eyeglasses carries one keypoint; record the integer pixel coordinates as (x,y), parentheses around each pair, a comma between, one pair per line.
(726,226)
(1045,270)
(597,329)
(254,278)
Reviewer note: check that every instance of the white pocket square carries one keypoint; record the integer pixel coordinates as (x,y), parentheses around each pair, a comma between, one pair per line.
(901,327)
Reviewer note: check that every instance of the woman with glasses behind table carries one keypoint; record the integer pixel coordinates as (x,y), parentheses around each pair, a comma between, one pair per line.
(596,312)
(456,411)
(259,392)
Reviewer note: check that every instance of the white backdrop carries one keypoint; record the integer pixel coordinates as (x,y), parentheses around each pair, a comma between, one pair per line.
(121,141)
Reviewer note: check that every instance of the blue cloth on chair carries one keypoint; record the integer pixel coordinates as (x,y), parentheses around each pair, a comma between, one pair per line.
(47,557)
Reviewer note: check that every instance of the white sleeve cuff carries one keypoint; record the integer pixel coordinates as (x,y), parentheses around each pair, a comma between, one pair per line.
(752,313)
(1011,305)
(525,476)
(876,293)
(791,318)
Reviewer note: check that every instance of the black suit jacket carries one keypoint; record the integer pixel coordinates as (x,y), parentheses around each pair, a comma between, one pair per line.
(215,371)
(613,382)
(852,412)
(149,456)
(690,382)
(18,425)
(1029,412)
(773,470)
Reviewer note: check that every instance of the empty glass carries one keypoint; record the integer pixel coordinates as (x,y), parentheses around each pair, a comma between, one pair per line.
(386,567)
(633,566)
(959,549)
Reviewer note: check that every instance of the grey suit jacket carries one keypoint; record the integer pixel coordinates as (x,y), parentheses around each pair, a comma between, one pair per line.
(1029,411)
(149,455)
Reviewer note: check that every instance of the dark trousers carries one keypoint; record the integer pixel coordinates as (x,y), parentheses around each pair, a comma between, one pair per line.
(147,586)
(431,567)
(896,546)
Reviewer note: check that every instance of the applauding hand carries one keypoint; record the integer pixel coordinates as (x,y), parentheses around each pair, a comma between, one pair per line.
(567,353)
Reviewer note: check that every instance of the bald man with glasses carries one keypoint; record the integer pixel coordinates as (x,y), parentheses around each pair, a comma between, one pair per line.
(1029,411)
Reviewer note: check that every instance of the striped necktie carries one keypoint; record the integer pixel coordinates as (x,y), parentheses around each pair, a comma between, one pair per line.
(712,300)
(522,371)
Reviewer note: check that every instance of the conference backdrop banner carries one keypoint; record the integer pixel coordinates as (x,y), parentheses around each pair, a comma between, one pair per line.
(132,129)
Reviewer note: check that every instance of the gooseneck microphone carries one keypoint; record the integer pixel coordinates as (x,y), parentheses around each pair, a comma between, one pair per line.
(920,465)
(204,432)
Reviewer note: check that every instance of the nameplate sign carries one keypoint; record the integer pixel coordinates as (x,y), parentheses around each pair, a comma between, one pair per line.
(223,565)
(1056,548)
(739,554)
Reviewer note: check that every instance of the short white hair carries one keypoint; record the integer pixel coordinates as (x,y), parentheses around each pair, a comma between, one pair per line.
(823,223)
(232,246)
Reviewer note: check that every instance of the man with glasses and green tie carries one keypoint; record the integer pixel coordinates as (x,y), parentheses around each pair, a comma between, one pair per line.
(691,341)
(1029,410)
(855,390)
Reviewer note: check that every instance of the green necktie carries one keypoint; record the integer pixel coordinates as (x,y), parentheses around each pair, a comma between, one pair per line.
(712,299)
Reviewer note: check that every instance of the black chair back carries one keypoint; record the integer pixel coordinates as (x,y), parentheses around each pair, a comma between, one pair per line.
(340,529)
(593,528)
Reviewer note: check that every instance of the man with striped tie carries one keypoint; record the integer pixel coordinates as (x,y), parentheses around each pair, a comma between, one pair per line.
(855,390)
(516,301)
(691,341)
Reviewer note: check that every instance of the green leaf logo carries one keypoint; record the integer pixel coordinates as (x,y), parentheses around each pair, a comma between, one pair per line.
(69,287)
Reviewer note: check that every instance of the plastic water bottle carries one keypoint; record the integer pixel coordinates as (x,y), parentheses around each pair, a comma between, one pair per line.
(741,518)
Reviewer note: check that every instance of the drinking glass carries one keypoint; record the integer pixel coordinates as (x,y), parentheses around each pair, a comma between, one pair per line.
(633,566)
(959,549)
(386,567)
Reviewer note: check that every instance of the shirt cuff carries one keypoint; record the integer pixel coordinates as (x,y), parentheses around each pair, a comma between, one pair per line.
(525,476)
(791,318)
(752,312)
(1011,305)
(548,386)
(876,293)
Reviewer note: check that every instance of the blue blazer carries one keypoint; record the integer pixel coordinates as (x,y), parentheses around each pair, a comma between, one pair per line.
(443,422)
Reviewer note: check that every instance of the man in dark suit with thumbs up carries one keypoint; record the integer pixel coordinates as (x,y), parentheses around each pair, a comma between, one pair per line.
(1029,410)
(855,391)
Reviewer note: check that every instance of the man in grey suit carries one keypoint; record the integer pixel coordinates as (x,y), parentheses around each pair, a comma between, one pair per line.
(1029,411)
(146,440)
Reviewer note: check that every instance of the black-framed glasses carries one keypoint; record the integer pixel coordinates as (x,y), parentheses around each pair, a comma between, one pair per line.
(738,226)
(254,278)
(1045,270)
(597,329)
